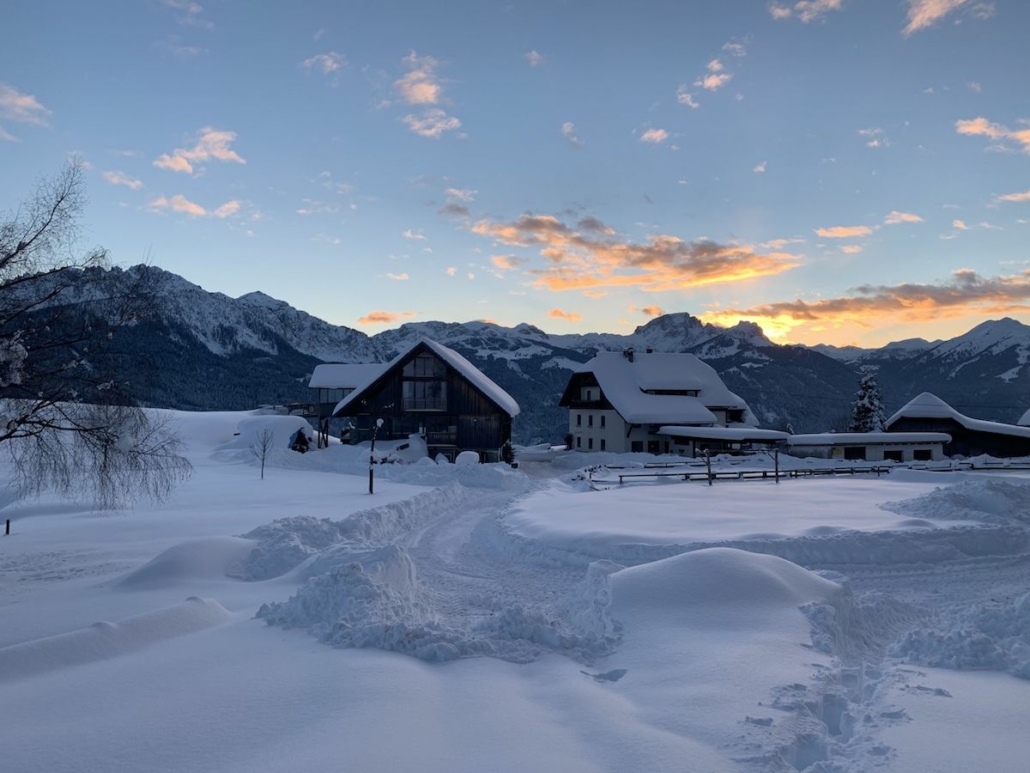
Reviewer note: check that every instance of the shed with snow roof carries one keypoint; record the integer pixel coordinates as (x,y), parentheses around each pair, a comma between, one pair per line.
(969,437)
(433,391)
(621,401)
(333,381)
(871,446)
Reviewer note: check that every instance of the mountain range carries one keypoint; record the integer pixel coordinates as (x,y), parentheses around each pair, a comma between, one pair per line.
(206,351)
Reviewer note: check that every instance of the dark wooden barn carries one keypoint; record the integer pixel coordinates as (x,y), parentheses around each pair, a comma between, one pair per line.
(969,437)
(434,392)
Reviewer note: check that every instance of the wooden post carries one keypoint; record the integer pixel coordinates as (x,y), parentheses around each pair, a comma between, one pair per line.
(7,529)
(708,464)
(776,462)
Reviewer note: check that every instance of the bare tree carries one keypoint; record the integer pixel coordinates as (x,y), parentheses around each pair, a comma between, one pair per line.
(262,447)
(65,420)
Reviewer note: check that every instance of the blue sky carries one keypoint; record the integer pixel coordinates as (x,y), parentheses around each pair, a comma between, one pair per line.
(839,171)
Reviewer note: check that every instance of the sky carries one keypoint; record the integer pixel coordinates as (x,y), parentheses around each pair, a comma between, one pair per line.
(838,171)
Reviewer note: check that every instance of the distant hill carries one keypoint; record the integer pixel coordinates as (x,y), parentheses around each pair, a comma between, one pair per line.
(207,351)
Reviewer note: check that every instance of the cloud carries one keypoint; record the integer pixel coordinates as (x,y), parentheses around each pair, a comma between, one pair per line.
(806,10)
(432,123)
(877,137)
(460,194)
(507,262)
(189,13)
(736,48)
(844,231)
(7,136)
(851,249)
(593,256)
(1000,134)
(172,45)
(960,225)
(398,277)
(568,131)
(974,86)
(896,218)
(417,236)
(568,316)
(716,65)
(535,58)
(926,13)
(228,209)
(419,86)
(184,206)
(120,178)
(713,81)
(779,244)
(212,144)
(684,97)
(325,63)
(759,168)
(384,317)
(453,209)
(451,271)
(1019,197)
(312,207)
(20,107)
(965,293)
(652,311)
(654,136)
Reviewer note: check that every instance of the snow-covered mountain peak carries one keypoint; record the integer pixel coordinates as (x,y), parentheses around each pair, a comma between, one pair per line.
(258,298)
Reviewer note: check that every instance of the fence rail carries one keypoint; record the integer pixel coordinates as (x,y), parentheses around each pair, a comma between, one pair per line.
(703,475)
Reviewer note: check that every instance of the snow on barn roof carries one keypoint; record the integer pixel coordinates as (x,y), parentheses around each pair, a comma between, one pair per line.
(474,375)
(624,381)
(1024,420)
(731,434)
(338,375)
(930,406)
(867,438)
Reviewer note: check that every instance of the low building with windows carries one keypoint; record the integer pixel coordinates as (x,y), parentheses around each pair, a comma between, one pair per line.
(628,401)
(434,392)
(333,381)
(871,446)
(968,436)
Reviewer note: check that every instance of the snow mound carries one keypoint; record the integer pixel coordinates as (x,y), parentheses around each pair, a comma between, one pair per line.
(106,640)
(991,636)
(282,428)
(989,500)
(716,578)
(465,458)
(212,557)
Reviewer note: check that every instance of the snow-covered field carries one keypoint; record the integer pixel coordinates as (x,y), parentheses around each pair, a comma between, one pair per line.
(479,618)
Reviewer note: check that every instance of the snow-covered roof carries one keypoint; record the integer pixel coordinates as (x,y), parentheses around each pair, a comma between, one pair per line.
(474,375)
(930,406)
(731,434)
(867,438)
(1024,420)
(623,382)
(337,375)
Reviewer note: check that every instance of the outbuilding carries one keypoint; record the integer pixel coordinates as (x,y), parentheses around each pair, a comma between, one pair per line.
(968,436)
(870,446)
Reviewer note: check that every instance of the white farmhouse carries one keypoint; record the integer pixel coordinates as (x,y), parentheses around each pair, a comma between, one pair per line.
(629,401)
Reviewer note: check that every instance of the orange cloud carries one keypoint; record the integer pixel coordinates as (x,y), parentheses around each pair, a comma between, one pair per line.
(120,178)
(652,311)
(419,86)
(432,123)
(896,218)
(926,13)
(966,293)
(1019,197)
(654,136)
(851,249)
(1001,135)
(844,231)
(182,205)
(212,144)
(507,262)
(384,317)
(591,256)
(568,316)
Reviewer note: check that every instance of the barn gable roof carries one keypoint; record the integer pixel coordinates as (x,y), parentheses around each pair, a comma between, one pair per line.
(930,406)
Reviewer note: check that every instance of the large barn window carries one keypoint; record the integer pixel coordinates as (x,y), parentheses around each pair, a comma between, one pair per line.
(425,384)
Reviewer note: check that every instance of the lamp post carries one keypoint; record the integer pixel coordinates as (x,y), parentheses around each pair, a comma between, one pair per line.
(372,456)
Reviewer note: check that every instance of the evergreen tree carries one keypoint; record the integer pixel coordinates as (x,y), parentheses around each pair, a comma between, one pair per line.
(867,414)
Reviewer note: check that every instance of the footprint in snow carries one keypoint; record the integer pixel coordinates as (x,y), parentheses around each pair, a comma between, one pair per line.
(607,676)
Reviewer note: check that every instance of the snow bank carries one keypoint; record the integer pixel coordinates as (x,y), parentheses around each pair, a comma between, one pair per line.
(983,498)
(991,636)
(106,640)
(211,557)
(282,429)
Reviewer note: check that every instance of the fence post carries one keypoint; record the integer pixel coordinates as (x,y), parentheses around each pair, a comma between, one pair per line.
(708,464)
(776,462)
